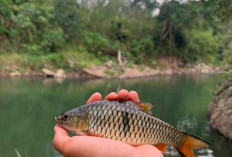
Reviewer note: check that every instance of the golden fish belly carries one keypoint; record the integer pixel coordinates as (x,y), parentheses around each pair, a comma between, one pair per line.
(126,122)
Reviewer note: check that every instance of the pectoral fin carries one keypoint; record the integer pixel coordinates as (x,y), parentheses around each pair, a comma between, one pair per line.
(91,134)
(80,133)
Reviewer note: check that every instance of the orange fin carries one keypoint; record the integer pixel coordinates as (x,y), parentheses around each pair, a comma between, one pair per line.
(145,106)
(190,143)
(92,134)
(80,133)
(162,147)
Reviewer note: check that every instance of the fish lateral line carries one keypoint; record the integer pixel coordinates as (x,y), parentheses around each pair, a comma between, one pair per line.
(130,122)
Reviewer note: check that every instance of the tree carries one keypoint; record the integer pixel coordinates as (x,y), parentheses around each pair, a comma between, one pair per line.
(223,9)
(67,16)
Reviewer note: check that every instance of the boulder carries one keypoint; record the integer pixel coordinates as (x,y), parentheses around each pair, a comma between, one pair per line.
(169,72)
(220,109)
(47,72)
(60,73)
(109,64)
(15,73)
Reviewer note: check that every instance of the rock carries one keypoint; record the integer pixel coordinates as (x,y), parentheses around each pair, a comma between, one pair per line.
(60,73)
(15,73)
(60,80)
(71,63)
(220,109)
(169,72)
(205,70)
(108,64)
(48,73)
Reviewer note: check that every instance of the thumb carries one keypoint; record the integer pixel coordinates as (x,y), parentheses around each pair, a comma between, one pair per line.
(148,151)
(60,138)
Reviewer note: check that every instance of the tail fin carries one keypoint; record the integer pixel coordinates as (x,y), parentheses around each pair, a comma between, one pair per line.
(191,142)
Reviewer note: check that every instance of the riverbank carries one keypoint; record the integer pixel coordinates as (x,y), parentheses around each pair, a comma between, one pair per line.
(220,109)
(106,71)
(82,64)
(137,71)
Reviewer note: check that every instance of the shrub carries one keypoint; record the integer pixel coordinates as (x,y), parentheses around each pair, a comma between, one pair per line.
(32,28)
(200,43)
(143,47)
(67,16)
(53,40)
(95,43)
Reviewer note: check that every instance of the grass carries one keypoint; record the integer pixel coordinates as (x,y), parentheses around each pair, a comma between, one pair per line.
(18,153)
(115,72)
(68,59)
(141,69)
(110,72)
(213,59)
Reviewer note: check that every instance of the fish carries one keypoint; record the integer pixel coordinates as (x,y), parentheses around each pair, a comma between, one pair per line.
(129,122)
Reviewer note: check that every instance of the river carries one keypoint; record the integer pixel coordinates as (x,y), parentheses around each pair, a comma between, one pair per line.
(28,106)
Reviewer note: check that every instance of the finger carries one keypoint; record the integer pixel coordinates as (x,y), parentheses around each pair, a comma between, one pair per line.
(148,151)
(60,137)
(95,97)
(133,96)
(123,95)
(80,146)
(112,96)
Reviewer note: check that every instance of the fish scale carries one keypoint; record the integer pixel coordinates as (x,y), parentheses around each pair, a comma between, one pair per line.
(123,117)
(128,122)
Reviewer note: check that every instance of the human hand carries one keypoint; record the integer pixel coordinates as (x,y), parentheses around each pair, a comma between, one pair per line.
(89,146)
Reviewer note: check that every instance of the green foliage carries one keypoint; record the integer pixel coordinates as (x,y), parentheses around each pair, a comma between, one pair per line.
(31,27)
(53,40)
(144,46)
(69,60)
(223,9)
(200,44)
(95,43)
(67,15)
(172,24)
(188,30)
(118,29)
(111,73)
(191,31)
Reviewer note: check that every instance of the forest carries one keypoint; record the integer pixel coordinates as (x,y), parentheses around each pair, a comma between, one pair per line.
(69,33)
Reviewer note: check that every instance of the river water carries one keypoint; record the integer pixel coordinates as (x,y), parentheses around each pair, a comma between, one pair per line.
(28,106)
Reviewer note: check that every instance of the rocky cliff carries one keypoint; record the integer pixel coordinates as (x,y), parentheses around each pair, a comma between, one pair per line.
(221,109)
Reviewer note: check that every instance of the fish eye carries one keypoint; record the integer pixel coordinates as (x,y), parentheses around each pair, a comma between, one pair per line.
(66,116)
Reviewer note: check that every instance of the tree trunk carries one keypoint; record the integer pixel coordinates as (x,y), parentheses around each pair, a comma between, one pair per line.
(170,38)
(120,59)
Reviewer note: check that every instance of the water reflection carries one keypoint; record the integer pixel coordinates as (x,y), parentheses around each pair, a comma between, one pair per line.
(28,105)
(187,123)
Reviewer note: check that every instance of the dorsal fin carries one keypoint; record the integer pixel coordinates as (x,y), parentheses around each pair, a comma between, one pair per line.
(145,106)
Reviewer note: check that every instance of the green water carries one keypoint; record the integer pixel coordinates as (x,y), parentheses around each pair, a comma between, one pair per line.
(28,105)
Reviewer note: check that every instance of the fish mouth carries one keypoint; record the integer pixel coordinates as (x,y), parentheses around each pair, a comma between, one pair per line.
(58,120)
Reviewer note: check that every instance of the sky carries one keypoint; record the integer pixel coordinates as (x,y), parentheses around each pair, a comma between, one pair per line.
(157,10)
(161,1)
